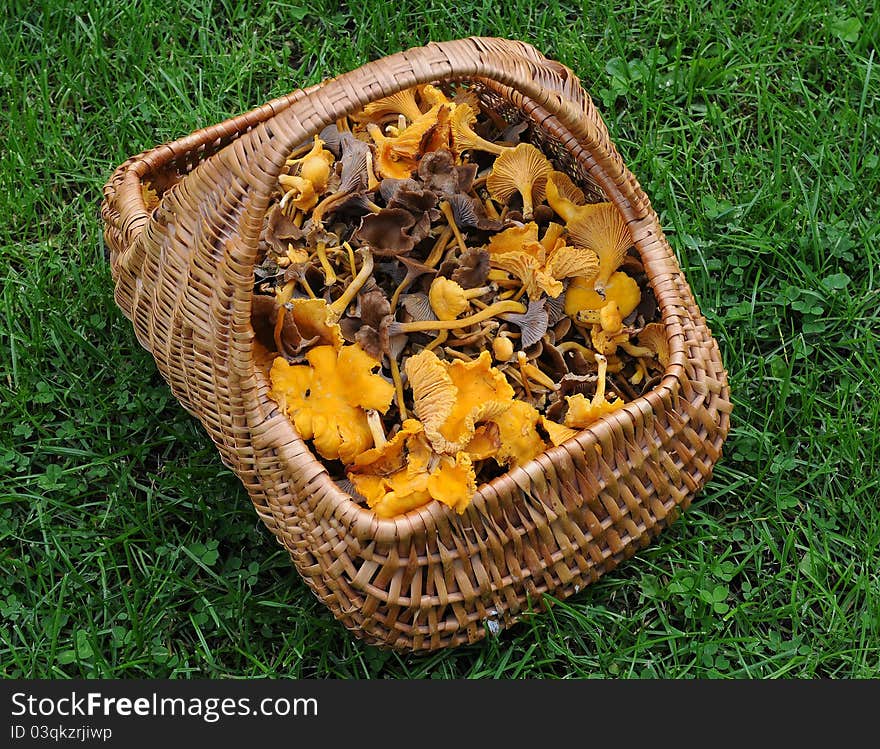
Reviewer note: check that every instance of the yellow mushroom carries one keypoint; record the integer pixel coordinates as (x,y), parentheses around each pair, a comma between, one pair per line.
(584,303)
(448,300)
(582,412)
(451,398)
(502,348)
(303,189)
(564,186)
(403,102)
(558,433)
(524,170)
(316,318)
(298,192)
(463,136)
(328,398)
(652,344)
(520,441)
(517,251)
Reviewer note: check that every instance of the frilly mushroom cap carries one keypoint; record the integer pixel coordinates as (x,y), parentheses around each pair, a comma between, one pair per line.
(386,232)
(582,412)
(604,231)
(327,398)
(570,262)
(434,392)
(447,479)
(355,156)
(415,140)
(620,288)
(451,398)
(375,316)
(605,342)
(418,306)
(409,195)
(470,212)
(448,299)
(558,433)
(464,138)
(513,239)
(529,269)
(315,319)
(439,173)
(299,192)
(389,162)
(520,441)
(403,102)
(485,442)
(523,169)
(385,459)
(555,307)
(281,231)
(564,187)
(473,268)
(653,336)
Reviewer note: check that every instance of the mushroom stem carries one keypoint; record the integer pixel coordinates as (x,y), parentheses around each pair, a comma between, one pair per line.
(554,231)
(298,218)
(326,204)
(491,210)
(305,285)
(534,373)
(638,351)
(374,421)
(329,273)
(566,346)
(446,209)
(438,340)
(279,326)
(338,307)
(283,295)
(528,208)
(499,308)
(302,150)
(599,397)
(439,247)
(398,387)
(478,291)
(351,262)
(521,360)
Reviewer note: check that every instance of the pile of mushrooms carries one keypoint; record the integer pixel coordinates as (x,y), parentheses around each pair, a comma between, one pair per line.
(440,303)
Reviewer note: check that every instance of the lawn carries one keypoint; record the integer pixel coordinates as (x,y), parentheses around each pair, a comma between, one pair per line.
(129,550)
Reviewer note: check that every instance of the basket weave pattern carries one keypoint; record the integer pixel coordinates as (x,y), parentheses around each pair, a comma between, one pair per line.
(184,276)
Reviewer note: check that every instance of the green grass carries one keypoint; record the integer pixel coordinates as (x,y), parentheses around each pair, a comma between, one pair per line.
(129,550)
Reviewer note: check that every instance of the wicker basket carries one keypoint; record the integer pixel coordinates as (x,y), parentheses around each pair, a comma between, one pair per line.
(184,276)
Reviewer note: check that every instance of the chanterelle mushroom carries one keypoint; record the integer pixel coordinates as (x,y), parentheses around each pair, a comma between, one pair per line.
(582,412)
(523,169)
(585,303)
(405,473)
(451,398)
(328,398)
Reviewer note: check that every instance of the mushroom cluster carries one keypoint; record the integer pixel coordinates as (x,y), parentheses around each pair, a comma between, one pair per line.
(440,302)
